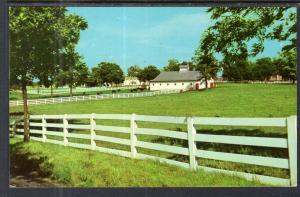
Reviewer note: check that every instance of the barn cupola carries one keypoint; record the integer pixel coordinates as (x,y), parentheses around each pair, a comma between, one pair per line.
(183,67)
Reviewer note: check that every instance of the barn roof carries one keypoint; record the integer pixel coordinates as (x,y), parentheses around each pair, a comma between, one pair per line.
(178,76)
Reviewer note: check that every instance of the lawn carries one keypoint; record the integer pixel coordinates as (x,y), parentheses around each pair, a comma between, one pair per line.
(83,168)
(227,100)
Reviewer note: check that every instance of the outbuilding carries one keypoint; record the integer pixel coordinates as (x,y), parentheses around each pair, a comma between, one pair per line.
(184,80)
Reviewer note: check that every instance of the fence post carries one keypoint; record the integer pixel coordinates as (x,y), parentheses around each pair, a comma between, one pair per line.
(192,143)
(44,128)
(292,147)
(65,121)
(133,137)
(93,134)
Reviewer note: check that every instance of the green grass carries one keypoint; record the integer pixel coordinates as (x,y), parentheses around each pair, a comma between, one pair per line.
(227,100)
(83,168)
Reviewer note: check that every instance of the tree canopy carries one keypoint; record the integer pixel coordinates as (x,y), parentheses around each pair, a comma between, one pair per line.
(235,28)
(149,73)
(173,65)
(134,71)
(38,39)
(107,72)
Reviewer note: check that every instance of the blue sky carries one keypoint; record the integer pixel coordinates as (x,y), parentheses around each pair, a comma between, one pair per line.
(145,35)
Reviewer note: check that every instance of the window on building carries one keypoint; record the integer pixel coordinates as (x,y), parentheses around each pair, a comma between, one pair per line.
(167,84)
(182,83)
(175,84)
(160,84)
(152,84)
(191,84)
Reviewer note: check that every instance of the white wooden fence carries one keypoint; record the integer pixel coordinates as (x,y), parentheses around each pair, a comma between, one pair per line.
(89,97)
(191,136)
(259,82)
(78,89)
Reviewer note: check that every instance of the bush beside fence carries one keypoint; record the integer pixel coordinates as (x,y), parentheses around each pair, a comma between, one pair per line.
(191,136)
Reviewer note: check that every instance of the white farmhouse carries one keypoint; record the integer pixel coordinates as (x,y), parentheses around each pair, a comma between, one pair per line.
(131,81)
(184,79)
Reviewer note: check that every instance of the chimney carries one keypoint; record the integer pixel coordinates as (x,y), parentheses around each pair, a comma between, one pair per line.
(183,67)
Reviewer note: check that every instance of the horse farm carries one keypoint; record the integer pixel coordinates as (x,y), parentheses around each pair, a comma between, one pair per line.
(235,134)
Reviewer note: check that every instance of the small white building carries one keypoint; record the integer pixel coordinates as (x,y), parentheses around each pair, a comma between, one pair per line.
(131,81)
(184,80)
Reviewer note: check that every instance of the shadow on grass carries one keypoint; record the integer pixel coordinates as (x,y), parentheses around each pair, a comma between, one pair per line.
(29,170)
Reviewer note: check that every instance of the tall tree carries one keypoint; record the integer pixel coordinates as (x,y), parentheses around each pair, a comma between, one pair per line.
(173,65)
(287,64)
(149,73)
(263,69)
(109,73)
(206,64)
(204,60)
(134,71)
(74,71)
(37,36)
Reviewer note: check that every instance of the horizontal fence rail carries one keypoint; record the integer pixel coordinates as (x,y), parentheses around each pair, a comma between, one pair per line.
(191,136)
(90,97)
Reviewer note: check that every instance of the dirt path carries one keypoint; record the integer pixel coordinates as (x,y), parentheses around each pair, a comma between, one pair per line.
(27,170)
(36,181)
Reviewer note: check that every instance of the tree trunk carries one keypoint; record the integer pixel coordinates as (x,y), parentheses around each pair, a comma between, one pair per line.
(51,90)
(25,109)
(71,90)
(205,82)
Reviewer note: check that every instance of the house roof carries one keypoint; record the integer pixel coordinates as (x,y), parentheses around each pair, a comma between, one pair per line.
(178,76)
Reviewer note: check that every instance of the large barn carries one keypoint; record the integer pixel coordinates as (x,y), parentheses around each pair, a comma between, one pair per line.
(184,79)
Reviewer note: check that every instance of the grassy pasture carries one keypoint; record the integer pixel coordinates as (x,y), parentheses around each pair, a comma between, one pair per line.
(83,168)
(227,100)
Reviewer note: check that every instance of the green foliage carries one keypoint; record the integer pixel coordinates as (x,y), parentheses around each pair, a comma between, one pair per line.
(107,72)
(287,64)
(34,32)
(238,71)
(234,27)
(173,65)
(263,69)
(134,71)
(149,73)
(38,38)
(205,63)
(74,71)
